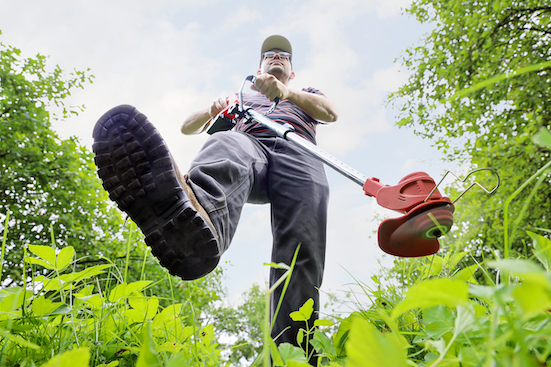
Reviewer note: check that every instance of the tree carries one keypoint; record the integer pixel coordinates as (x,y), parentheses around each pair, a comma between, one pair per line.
(44,180)
(480,90)
(242,325)
(53,196)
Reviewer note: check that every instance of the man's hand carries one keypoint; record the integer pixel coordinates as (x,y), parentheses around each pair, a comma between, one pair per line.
(271,87)
(199,121)
(217,106)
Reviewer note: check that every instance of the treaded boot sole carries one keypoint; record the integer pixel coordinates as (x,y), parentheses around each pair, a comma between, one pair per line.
(139,174)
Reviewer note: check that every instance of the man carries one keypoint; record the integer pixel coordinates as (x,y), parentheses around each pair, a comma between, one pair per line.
(189,220)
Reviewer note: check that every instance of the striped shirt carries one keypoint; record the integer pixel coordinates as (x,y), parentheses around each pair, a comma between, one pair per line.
(286,111)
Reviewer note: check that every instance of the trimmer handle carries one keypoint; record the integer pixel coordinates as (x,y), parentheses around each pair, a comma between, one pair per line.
(225,120)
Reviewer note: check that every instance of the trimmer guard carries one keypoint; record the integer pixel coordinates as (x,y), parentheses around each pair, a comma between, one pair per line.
(416,233)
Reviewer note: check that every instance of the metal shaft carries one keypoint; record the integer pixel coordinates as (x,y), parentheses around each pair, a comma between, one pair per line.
(286,131)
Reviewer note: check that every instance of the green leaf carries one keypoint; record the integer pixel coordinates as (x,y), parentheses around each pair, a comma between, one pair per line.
(452,259)
(293,363)
(300,336)
(434,267)
(13,298)
(466,274)
(543,138)
(391,323)
(43,306)
(117,293)
(438,320)
(91,271)
(470,356)
(542,249)
(435,292)
(111,364)
(322,322)
(148,353)
(37,261)
(532,297)
(367,347)
(45,252)
(274,352)
(305,311)
(525,269)
(179,360)
(18,339)
(145,307)
(289,352)
(322,344)
(79,357)
(516,266)
(465,319)
(137,286)
(341,337)
(65,257)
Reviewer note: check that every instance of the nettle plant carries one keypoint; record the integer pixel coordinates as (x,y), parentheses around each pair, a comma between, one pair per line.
(91,318)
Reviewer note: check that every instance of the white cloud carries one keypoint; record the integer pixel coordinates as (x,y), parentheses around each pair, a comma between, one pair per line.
(387,8)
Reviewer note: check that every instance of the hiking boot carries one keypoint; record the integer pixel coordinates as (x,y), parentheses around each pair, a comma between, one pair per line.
(142,178)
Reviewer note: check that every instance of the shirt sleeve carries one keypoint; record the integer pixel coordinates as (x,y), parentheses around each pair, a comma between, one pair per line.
(313,91)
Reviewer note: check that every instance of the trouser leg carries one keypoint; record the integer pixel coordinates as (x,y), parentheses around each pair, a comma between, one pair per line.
(298,193)
(229,171)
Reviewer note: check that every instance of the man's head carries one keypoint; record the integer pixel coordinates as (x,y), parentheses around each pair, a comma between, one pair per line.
(275,58)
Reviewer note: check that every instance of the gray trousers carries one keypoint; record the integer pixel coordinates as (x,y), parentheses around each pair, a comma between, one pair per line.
(234,168)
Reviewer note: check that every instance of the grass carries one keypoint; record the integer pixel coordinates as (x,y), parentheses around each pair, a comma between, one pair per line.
(437,314)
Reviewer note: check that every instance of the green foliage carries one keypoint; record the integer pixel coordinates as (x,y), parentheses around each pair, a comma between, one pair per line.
(242,325)
(85,318)
(479,90)
(44,179)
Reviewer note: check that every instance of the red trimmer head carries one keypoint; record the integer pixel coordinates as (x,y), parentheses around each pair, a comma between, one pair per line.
(428,215)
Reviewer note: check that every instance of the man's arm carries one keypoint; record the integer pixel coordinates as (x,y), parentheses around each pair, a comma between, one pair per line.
(318,107)
(198,121)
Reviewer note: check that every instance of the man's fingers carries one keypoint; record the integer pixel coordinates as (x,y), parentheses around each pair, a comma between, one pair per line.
(217,106)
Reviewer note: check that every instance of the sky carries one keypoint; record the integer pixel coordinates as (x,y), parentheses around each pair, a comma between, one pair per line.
(170,58)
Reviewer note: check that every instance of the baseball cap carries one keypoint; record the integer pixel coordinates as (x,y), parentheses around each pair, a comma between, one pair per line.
(276,42)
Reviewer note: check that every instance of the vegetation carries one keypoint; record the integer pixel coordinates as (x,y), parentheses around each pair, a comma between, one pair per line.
(479,90)
(80,288)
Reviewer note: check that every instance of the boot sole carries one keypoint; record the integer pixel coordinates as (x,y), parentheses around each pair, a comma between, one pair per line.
(140,175)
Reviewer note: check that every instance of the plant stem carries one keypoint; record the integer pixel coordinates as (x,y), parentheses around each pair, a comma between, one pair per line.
(4,244)
(130,231)
(506,244)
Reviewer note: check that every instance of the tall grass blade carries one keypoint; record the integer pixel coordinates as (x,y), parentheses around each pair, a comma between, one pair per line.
(128,242)
(506,244)
(4,244)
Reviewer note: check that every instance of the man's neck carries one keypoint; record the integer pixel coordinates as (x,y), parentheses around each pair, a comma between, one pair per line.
(281,78)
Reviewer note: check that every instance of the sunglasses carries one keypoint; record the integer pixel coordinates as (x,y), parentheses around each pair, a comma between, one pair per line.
(271,55)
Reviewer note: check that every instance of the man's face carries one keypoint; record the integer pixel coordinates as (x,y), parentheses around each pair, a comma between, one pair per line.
(277,64)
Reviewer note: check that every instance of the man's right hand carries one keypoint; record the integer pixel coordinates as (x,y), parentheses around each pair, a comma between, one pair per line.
(217,106)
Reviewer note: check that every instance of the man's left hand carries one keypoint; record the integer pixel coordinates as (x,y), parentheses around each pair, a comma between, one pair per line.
(270,86)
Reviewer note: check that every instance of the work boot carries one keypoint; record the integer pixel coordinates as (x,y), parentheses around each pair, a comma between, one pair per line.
(142,178)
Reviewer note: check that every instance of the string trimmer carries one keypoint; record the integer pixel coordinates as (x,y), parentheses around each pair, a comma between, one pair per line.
(427,214)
